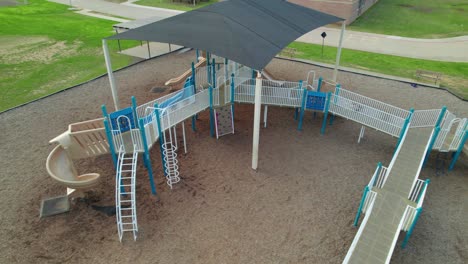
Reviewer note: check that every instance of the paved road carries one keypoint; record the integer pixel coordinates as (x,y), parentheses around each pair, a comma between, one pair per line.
(449,49)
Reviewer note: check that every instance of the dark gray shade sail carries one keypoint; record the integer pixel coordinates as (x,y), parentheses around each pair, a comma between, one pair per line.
(250,32)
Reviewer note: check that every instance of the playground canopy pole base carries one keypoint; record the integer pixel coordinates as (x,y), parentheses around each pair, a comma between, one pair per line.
(256,132)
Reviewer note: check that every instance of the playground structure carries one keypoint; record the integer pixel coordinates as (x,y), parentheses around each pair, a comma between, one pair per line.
(218,86)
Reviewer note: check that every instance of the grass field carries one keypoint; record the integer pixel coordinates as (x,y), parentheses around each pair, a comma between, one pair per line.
(180,5)
(45,48)
(455,75)
(416,18)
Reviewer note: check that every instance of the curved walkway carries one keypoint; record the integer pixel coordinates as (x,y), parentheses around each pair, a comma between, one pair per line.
(449,49)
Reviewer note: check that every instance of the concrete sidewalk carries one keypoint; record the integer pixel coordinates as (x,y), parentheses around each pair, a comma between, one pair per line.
(449,49)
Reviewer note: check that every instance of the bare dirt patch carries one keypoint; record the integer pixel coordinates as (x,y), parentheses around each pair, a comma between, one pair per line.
(16,50)
(298,207)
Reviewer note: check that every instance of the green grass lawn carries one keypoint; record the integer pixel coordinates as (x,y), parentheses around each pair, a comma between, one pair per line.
(45,48)
(416,18)
(455,75)
(177,5)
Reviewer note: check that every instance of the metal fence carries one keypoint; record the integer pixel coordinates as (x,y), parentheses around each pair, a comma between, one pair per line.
(425,118)
(366,115)
(372,103)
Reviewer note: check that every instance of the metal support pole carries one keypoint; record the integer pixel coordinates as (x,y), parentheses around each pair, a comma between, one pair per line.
(460,149)
(265,115)
(147,156)
(431,145)
(118,41)
(183,135)
(256,131)
(338,54)
(337,93)
(149,51)
(325,113)
(361,134)
(161,139)
(358,214)
(110,74)
(319,86)
(303,106)
(210,90)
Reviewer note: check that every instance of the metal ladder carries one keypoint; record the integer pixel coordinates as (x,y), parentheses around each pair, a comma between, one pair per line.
(125,202)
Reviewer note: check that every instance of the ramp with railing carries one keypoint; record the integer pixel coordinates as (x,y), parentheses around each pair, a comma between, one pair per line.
(392,200)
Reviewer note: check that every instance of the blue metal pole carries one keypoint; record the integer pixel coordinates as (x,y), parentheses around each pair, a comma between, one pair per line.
(303,105)
(111,142)
(325,114)
(431,144)
(361,204)
(253,74)
(134,107)
(210,89)
(198,54)
(441,116)
(403,129)
(426,182)
(193,77)
(146,156)
(319,86)
(232,95)
(109,135)
(296,113)
(337,92)
(379,168)
(460,149)
(410,231)
(214,73)
(161,139)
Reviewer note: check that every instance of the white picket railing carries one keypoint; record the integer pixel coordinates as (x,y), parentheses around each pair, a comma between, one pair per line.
(457,140)
(202,80)
(372,103)
(425,118)
(416,190)
(184,109)
(141,109)
(370,197)
(132,137)
(379,178)
(366,115)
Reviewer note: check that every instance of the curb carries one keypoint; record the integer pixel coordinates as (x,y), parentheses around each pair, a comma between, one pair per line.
(93,79)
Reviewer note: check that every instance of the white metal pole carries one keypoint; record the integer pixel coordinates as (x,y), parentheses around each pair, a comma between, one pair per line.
(256,132)
(338,54)
(110,74)
(265,115)
(183,134)
(175,138)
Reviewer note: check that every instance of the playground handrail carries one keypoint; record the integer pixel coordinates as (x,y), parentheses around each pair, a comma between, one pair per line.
(389,169)
(379,177)
(426,149)
(185,108)
(457,140)
(384,107)
(362,113)
(395,238)
(360,230)
(425,118)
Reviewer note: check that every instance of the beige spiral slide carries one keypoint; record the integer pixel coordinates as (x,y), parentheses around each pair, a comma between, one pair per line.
(60,168)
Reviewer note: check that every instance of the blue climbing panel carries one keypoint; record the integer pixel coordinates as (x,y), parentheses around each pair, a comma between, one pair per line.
(124,123)
(316,100)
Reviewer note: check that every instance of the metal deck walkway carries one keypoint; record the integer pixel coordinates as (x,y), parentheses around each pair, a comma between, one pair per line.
(376,243)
